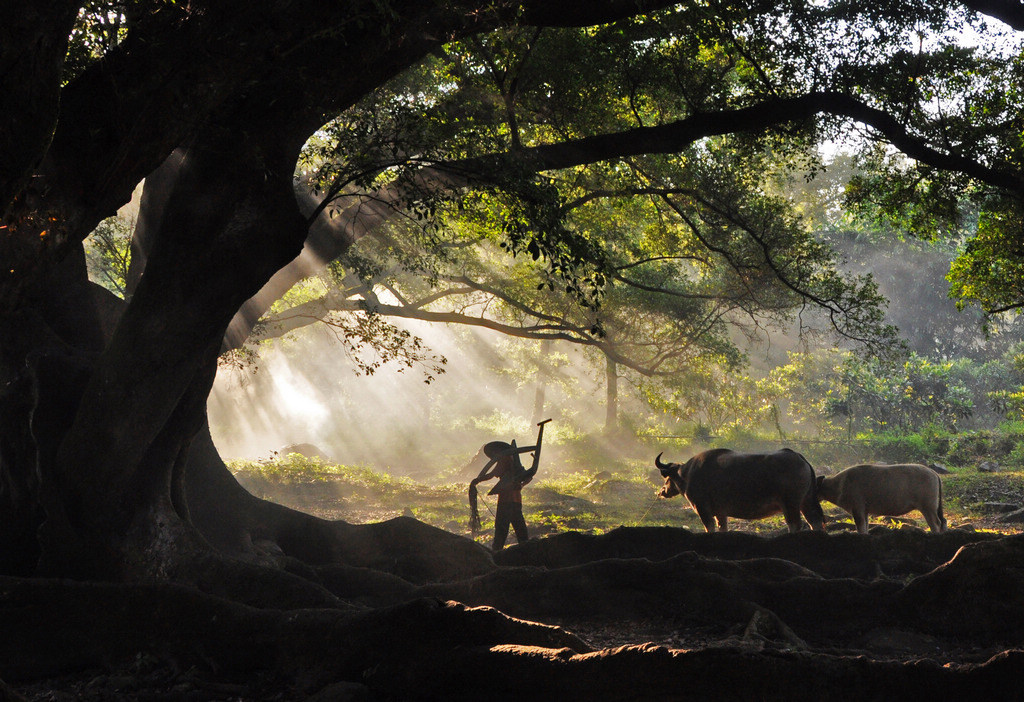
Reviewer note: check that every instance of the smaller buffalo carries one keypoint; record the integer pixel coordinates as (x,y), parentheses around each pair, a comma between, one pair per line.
(890,490)
(722,483)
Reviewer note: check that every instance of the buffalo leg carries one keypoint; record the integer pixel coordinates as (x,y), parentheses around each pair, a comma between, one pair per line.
(723,522)
(932,518)
(813,512)
(707,520)
(861,520)
(793,519)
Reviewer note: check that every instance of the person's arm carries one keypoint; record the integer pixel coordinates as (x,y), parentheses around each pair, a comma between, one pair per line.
(531,471)
(483,473)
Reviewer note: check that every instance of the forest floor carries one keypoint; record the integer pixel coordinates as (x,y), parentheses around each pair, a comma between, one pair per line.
(589,501)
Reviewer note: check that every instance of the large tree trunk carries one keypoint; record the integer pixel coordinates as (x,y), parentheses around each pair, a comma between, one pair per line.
(130,492)
(101,417)
(47,352)
(112,480)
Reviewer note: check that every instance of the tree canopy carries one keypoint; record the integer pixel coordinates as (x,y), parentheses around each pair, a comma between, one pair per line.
(645,258)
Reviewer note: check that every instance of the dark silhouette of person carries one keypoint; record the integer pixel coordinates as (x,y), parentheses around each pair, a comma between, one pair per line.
(512,476)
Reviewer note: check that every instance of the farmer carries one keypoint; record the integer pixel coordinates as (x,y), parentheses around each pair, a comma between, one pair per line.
(512,476)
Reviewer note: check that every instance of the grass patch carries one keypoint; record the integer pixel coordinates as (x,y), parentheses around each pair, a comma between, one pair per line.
(967,491)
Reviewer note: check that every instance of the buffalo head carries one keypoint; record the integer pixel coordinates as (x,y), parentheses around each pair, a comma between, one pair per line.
(672,473)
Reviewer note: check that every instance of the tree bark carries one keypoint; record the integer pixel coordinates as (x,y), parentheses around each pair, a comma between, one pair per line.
(230,221)
(33,42)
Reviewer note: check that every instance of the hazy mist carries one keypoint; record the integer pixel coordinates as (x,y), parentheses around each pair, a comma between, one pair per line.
(306,390)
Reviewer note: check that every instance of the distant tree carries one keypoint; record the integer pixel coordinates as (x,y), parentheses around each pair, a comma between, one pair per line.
(108,254)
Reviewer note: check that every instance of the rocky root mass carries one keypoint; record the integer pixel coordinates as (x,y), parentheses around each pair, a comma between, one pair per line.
(638,613)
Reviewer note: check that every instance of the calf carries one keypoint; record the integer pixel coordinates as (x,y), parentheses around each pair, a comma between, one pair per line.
(891,490)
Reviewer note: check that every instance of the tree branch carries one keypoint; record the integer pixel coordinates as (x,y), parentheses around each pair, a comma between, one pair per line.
(1009,11)
(332,238)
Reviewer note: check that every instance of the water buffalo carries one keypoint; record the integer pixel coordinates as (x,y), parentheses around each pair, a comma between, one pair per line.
(891,490)
(722,483)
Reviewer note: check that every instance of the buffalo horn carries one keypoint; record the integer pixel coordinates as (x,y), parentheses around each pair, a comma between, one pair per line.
(665,468)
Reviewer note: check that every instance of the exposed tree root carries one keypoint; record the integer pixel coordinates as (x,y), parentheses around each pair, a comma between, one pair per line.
(401,610)
(239,524)
(431,650)
(645,672)
(54,627)
(980,592)
(893,553)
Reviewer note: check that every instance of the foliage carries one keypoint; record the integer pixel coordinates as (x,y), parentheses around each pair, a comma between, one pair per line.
(297,469)
(978,211)
(895,447)
(101,25)
(296,466)
(655,257)
(500,423)
(836,395)
(368,340)
(108,253)
(839,393)
(988,270)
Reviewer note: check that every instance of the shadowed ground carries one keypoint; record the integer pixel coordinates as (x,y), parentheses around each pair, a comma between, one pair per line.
(638,613)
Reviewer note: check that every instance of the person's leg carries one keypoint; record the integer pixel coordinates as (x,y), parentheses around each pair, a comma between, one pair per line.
(519,524)
(501,524)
